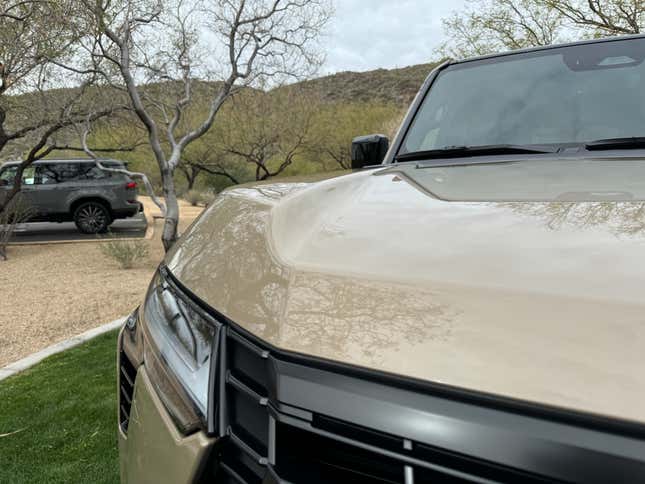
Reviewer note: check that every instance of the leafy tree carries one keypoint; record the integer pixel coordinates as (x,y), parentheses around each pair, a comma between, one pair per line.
(602,17)
(268,131)
(338,123)
(488,26)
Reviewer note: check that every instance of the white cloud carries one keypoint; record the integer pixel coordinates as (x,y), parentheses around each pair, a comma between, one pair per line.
(368,34)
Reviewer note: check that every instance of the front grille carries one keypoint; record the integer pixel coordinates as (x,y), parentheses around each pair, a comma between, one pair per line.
(127,375)
(284,417)
(264,443)
(246,377)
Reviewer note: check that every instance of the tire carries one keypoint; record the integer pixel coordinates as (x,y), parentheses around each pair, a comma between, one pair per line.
(92,218)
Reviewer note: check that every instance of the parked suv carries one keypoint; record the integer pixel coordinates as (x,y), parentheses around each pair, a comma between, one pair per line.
(78,190)
(469,310)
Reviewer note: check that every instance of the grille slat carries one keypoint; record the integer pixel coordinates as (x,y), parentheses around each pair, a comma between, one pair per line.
(128,375)
(239,385)
(236,477)
(246,448)
(324,449)
(125,375)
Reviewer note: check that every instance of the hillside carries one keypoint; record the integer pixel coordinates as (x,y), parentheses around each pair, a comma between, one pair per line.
(396,86)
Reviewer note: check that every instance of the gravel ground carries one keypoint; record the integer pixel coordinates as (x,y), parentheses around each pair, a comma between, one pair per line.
(52,292)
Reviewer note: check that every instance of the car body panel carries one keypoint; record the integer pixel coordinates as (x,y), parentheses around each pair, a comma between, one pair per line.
(162,455)
(370,269)
(56,201)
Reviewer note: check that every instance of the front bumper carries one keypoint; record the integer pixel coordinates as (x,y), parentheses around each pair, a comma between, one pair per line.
(153,451)
(287,418)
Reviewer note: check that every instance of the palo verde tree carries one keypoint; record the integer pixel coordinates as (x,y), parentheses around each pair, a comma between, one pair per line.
(157,50)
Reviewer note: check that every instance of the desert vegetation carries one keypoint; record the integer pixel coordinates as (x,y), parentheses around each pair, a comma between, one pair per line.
(135,80)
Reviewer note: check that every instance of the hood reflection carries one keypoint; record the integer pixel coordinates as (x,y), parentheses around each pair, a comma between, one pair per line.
(620,218)
(533,299)
(341,317)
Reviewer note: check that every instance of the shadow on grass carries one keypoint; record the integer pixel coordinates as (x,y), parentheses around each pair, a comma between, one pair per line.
(58,419)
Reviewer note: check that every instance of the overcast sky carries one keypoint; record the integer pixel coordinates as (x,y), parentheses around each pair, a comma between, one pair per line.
(367,34)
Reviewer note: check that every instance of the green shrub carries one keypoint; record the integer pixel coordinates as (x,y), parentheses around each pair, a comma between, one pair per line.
(194,197)
(209,197)
(125,252)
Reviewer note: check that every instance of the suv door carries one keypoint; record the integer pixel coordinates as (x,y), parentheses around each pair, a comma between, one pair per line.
(27,189)
(56,184)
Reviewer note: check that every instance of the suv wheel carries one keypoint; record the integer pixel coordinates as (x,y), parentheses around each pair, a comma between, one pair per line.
(92,218)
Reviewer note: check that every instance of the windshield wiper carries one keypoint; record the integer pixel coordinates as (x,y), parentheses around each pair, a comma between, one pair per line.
(617,144)
(466,151)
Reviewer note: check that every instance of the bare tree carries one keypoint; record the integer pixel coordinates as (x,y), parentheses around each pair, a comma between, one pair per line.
(487,26)
(606,17)
(154,47)
(16,212)
(84,134)
(203,157)
(39,101)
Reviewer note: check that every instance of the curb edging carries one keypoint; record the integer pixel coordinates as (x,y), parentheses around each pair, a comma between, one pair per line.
(31,360)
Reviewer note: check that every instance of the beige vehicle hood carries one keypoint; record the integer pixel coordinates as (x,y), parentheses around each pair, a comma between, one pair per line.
(444,274)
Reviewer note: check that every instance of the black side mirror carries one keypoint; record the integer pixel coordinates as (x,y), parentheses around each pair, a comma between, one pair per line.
(4,183)
(369,150)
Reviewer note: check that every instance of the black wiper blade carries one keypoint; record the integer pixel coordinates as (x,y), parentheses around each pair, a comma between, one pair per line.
(617,144)
(466,151)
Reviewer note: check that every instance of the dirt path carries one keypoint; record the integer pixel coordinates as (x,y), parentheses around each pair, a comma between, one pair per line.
(52,292)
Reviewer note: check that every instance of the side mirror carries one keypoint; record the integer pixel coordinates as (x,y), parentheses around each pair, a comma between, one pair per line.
(369,150)
(3,183)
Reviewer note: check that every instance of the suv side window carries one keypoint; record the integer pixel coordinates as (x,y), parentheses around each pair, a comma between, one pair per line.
(9,175)
(89,171)
(58,173)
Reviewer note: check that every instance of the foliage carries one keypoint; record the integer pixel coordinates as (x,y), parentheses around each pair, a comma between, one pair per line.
(127,253)
(268,131)
(194,197)
(36,115)
(209,197)
(59,418)
(600,18)
(336,124)
(248,42)
(489,26)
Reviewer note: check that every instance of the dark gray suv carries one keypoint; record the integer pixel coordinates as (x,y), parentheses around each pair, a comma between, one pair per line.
(78,190)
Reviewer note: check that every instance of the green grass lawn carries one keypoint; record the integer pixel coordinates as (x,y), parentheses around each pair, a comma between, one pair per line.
(58,419)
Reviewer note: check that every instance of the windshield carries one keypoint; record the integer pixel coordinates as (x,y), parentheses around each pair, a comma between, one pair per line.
(564,95)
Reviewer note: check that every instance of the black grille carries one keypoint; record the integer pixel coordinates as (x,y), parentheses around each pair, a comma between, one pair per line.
(127,375)
(246,378)
(284,417)
(262,444)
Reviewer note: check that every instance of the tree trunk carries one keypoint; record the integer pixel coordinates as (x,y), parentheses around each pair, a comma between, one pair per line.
(169,235)
(191,176)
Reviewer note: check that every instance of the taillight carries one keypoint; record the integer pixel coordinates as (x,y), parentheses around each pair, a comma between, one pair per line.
(131,185)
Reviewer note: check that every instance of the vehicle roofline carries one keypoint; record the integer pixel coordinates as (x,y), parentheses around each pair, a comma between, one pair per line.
(63,160)
(539,48)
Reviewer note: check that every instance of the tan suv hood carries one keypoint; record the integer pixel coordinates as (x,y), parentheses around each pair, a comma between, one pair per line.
(537,300)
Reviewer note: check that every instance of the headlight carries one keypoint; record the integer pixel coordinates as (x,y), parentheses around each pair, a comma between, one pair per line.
(183,338)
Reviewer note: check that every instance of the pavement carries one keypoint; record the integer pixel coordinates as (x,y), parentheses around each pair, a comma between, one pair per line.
(42,232)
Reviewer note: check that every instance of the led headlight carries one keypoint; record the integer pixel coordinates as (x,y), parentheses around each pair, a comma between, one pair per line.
(183,337)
